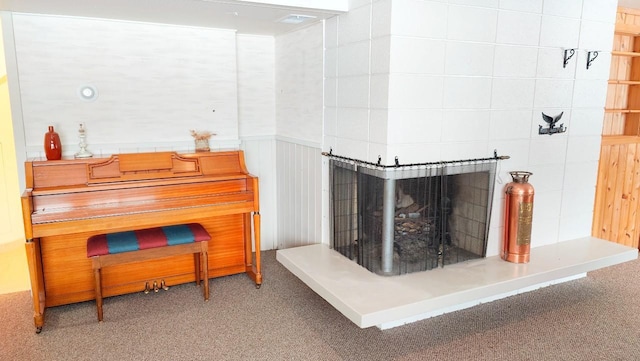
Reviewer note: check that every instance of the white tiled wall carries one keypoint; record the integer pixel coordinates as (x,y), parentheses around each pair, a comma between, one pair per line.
(466,77)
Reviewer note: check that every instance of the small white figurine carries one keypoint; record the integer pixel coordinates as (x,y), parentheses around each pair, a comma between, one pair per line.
(83,153)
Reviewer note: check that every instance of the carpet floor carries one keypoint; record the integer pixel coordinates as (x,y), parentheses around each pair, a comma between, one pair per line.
(593,318)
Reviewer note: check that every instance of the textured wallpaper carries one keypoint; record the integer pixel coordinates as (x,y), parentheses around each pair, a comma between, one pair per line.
(155,82)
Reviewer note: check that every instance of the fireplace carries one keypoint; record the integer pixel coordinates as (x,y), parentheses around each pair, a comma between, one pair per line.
(409,218)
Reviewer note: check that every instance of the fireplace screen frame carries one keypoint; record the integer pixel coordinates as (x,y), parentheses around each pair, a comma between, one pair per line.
(368,224)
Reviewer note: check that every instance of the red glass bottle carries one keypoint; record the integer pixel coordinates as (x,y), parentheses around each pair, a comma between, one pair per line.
(52,146)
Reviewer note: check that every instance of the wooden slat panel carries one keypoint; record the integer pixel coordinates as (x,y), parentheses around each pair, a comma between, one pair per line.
(616,216)
(608,209)
(300,187)
(615,192)
(618,121)
(619,139)
(629,29)
(618,193)
(623,192)
(597,228)
(631,228)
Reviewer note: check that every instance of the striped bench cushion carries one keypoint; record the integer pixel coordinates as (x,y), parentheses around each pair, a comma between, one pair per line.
(111,243)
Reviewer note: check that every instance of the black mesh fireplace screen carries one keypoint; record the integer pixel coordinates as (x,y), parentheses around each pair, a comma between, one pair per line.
(410,218)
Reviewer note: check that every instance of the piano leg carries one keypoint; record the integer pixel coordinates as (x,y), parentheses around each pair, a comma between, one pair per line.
(256,228)
(34,260)
(252,268)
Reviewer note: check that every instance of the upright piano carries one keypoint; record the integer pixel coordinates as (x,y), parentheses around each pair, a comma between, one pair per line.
(69,200)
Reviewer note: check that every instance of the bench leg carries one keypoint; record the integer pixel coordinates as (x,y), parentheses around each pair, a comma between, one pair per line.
(98,289)
(196,260)
(205,269)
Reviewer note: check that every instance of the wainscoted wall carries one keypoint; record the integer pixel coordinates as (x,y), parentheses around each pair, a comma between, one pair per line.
(260,157)
(299,184)
(299,122)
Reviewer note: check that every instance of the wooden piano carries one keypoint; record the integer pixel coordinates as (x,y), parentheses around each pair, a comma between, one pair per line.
(69,200)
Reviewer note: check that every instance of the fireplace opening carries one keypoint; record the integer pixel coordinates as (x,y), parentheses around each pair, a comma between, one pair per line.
(404,219)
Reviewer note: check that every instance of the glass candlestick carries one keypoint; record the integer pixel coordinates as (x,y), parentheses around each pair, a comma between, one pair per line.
(83,153)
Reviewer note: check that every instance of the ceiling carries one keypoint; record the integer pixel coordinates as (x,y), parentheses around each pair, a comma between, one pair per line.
(247,17)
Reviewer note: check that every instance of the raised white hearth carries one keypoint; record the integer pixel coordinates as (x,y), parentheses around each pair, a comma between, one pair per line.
(369,299)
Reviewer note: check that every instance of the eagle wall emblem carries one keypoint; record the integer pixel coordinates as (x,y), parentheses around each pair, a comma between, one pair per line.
(552,129)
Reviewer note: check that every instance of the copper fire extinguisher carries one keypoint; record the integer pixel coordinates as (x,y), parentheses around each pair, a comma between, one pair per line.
(518,215)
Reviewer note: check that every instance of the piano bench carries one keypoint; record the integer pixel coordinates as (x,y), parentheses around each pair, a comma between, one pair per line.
(146,244)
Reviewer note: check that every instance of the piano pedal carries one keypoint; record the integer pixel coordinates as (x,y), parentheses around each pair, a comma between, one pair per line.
(146,288)
(155,287)
(164,285)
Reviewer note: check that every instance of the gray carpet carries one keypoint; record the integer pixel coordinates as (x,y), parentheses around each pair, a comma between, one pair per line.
(594,318)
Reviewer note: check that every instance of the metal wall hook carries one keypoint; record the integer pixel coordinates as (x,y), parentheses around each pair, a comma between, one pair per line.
(590,58)
(568,54)
(146,288)
(155,286)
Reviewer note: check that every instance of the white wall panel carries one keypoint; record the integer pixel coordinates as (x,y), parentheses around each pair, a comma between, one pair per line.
(596,35)
(472,24)
(512,93)
(417,55)
(299,84)
(515,61)
(599,10)
(559,32)
(354,26)
(568,8)
(467,92)
(353,59)
(533,6)
(510,124)
(426,19)
(256,85)
(518,28)
(469,58)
